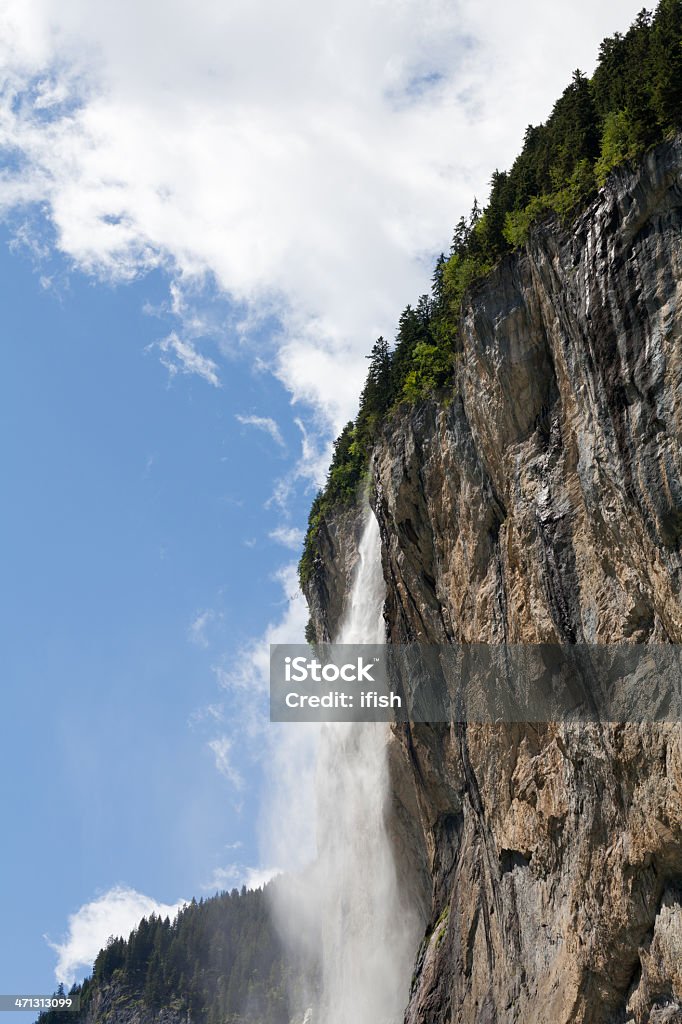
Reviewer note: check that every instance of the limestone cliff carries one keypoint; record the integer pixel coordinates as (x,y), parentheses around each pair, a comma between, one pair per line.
(541,500)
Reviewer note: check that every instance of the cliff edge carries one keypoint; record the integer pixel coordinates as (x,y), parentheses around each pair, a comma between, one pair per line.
(540,500)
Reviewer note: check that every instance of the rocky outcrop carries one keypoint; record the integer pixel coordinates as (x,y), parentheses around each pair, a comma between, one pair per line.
(336,555)
(541,501)
(113,1004)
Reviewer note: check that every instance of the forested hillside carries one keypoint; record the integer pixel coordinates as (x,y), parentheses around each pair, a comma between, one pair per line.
(220,961)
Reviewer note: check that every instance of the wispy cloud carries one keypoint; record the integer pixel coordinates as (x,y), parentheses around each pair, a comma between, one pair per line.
(180,355)
(265,423)
(286,751)
(289,536)
(115,913)
(197,632)
(244,676)
(310,468)
(209,713)
(235,875)
(27,239)
(222,748)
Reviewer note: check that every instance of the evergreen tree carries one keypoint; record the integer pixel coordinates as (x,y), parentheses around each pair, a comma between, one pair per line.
(666,63)
(460,238)
(437,283)
(376,394)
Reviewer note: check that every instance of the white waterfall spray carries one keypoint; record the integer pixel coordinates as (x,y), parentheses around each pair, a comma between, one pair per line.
(346,911)
(368,934)
(363,621)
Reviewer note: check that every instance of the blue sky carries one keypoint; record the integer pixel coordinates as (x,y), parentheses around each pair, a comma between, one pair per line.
(137,561)
(205,225)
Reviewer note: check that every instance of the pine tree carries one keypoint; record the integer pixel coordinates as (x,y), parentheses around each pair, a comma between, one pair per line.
(437,282)
(666,61)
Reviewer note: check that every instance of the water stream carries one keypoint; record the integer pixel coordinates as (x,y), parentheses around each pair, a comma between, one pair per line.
(368,937)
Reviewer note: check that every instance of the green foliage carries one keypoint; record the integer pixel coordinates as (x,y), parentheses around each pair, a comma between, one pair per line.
(566,198)
(348,464)
(376,394)
(346,473)
(460,273)
(517,223)
(414,328)
(571,193)
(632,102)
(306,564)
(619,143)
(431,368)
(666,63)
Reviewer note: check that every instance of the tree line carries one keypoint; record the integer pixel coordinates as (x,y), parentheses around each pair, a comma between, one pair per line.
(220,962)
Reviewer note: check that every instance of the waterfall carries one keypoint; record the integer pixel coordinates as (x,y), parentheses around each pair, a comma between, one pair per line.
(369,936)
(344,915)
(363,621)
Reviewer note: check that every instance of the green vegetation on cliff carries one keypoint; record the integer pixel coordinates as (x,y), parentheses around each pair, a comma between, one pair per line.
(632,102)
(219,962)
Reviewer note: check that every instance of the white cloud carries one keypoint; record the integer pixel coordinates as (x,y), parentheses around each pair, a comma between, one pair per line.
(256,878)
(235,875)
(289,536)
(27,240)
(198,627)
(265,423)
(181,356)
(306,159)
(211,713)
(115,913)
(222,748)
(310,468)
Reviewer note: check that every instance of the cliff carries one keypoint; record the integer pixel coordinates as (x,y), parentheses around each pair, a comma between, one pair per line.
(540,500)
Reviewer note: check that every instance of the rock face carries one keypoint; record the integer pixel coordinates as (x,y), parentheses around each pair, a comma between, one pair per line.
(541,501)
(112,1004)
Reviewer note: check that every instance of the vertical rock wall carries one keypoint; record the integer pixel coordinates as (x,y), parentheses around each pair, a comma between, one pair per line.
(541,501)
